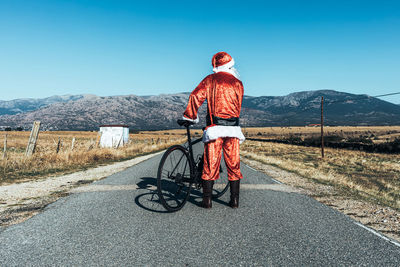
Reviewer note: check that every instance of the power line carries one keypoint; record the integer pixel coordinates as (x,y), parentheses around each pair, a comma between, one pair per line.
(360,98)
(398,93)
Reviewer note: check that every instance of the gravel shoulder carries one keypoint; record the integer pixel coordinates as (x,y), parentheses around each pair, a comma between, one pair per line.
(20,201)
(380,218)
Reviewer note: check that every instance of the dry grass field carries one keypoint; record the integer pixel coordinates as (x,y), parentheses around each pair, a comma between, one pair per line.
(16,167)
(376,133)
(369,176)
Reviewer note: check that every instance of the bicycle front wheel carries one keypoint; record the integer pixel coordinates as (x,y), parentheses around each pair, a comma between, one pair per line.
(174,178)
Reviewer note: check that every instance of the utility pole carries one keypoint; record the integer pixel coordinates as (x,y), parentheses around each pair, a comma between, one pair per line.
(245,124)
(322,127)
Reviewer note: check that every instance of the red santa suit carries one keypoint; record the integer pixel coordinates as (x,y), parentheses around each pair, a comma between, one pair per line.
(224,93)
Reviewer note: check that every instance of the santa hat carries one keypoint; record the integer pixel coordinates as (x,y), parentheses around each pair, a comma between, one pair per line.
(222,61)
(222,58)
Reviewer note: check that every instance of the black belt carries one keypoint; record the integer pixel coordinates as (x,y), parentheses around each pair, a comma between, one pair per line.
(225,122)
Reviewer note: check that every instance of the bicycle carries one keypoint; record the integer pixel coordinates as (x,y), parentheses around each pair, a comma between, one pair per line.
(179,171)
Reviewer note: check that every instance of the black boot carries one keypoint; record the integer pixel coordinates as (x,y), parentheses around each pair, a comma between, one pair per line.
(207,194)
(234,185)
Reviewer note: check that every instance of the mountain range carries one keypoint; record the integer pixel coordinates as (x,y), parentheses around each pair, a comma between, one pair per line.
(29,104)
(87,112)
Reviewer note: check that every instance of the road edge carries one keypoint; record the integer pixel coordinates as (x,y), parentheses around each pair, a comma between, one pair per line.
(21,201)
(374,222)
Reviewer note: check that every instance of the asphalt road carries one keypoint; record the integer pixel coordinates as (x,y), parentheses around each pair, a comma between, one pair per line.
(119,222)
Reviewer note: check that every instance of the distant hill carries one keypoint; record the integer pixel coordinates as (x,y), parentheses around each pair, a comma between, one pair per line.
(303,108)
(29,104)
(87,112)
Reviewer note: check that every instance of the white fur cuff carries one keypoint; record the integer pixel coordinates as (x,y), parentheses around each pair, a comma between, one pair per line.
(215,132)
(194,121)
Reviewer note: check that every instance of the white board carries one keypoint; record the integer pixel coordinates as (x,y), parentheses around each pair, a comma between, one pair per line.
(114,136)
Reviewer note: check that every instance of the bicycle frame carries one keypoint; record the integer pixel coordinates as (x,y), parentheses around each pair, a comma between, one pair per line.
(190,143)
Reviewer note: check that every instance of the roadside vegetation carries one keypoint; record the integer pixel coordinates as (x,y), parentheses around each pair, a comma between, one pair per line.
(85,153)
(377,139)
(377,133)
(374,177)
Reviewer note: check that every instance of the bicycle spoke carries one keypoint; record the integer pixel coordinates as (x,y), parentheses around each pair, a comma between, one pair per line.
(176,166)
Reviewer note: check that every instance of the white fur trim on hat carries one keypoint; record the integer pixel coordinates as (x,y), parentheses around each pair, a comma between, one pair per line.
(217,131)
(194,121)
(228,65)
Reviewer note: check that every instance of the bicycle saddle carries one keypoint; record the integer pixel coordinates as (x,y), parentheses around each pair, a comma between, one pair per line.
(184,123)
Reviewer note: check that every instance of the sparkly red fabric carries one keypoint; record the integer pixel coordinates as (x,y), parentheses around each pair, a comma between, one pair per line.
(220,58)
(212,158)
(224,93)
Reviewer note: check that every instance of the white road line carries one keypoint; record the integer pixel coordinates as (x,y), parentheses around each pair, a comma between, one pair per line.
(273,187)
(276,181)
(378,234)
(105,188)
(250,167)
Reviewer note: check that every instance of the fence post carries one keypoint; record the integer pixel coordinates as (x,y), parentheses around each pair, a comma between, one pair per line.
(30,149)
(91,145)
(322,127)
(120,141)
(73,143)
(98,139)
(5,147)
(58,145)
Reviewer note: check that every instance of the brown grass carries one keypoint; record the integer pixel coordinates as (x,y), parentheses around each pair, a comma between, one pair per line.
(17,167)
(383,133)
(374,177)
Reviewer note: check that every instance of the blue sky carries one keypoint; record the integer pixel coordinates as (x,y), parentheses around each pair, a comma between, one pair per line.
(153,47)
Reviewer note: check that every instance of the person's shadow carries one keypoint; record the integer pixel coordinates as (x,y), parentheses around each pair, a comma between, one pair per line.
(150,201)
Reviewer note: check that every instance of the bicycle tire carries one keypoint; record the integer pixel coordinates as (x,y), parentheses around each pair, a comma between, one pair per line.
(175,178)
(220,187)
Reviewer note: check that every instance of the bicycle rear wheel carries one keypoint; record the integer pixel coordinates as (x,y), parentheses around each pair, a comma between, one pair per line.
(174,178)
(221,185)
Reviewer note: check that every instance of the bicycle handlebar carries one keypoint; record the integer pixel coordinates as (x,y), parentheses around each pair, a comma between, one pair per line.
(184,123)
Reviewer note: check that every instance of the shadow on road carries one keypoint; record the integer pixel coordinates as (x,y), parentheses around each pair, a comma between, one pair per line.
(150,201)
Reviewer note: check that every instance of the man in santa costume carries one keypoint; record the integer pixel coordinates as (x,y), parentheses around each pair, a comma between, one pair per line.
(224,93)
